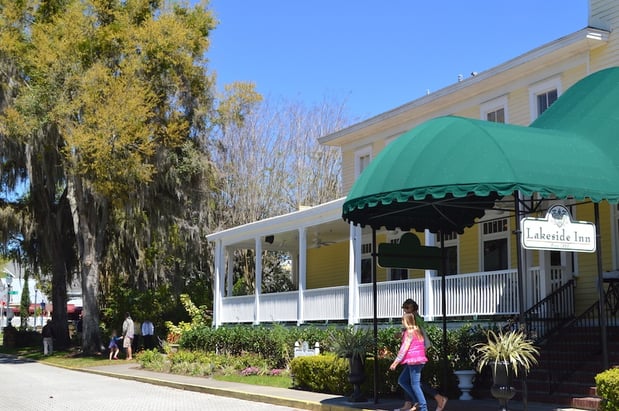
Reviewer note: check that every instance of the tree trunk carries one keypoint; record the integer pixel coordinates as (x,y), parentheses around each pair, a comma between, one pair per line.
(52,216)
(60,323)
(89,221)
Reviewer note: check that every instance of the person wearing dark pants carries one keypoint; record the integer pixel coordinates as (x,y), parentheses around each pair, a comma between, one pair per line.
(148,334)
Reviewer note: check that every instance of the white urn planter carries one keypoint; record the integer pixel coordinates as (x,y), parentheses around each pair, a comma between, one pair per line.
(465,383)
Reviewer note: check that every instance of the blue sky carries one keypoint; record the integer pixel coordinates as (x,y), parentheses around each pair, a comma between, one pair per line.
(376,55)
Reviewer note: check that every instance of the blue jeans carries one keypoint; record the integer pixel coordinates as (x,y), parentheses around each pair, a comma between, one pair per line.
(410,381)
(427,389)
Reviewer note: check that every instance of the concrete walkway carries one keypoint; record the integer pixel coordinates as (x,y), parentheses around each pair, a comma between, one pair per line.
(303,400)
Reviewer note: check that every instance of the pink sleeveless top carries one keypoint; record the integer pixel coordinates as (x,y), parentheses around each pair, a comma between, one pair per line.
(416,353)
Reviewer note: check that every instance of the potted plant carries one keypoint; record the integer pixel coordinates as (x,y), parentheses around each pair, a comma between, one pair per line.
(463,357)
(355,344)
(506,353)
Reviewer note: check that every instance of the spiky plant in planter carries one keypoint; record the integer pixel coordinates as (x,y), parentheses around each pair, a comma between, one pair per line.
(355,344)
(512,350)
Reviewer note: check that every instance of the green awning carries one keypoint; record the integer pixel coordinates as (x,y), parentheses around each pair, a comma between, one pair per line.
(589,108)
(445,173)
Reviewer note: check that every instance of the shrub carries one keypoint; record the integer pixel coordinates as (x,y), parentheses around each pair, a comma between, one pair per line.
(152,360)
(275,343)
(233,348)
(607,384)
(321,373)
(328,373)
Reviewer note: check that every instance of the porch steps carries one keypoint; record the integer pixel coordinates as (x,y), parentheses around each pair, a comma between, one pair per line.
(591,402)
(578,390)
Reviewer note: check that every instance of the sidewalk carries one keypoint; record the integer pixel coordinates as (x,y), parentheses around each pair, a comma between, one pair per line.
(303,400)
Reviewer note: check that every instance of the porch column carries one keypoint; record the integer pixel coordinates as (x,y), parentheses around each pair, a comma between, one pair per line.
(302,274)
(544,275)
(428,289)
(354,270)
(258,279)
(217,289)
(229,275)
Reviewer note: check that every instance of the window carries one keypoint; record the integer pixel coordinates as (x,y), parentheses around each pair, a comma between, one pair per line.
(495,244)
(450,240)
(544,100)
(362,159)
(495,110)
(542,95)
(496,116)
(366,263)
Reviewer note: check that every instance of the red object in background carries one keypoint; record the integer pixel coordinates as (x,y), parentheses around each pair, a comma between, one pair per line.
(71,308)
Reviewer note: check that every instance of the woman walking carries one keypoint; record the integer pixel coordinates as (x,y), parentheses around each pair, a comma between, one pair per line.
(412,355)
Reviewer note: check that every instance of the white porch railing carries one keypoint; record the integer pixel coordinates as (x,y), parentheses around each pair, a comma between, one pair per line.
(390,296)
(326,304)
(467,295)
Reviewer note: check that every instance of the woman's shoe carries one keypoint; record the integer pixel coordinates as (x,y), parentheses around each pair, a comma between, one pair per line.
(407,406)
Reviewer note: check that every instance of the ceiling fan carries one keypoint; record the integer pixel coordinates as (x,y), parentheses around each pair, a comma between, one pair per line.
(318,242)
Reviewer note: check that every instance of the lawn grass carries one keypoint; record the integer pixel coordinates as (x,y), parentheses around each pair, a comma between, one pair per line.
(73,359)
(280,381)
(69,359)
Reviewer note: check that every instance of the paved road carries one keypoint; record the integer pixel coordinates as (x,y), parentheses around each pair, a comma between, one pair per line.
(30,386)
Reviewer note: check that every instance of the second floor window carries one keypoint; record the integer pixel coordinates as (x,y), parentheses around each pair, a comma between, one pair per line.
(496,116)
(494,110)
(362,159)
(544,100)
(543,94)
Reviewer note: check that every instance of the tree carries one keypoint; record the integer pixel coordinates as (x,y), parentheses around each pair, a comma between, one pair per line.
(109,113)
(271,163)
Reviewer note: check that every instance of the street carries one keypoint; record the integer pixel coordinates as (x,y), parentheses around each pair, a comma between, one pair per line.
(30,386)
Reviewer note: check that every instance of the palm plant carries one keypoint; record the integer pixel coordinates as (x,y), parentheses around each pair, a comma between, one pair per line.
(512,349)
(351,342)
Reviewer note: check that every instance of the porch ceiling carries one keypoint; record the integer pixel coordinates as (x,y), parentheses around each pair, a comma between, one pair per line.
(323,225)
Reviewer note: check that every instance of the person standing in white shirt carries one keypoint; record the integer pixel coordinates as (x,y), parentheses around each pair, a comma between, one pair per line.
(148,333)
(128,335)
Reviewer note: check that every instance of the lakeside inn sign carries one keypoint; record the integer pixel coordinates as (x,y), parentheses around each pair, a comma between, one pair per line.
(557,231)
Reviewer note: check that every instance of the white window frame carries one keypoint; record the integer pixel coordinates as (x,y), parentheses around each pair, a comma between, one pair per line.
(359,155)
(366,254)
(541,88)
(492,106)
(489,216)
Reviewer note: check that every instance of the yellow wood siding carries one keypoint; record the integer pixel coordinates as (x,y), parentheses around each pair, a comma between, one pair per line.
(586,281)
(519,112)
(327,266)
(468,248)
(348,170)
(571,76)
(470,112)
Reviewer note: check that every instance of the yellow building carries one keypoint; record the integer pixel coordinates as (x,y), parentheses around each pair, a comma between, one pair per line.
(331,260)
(487,273)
